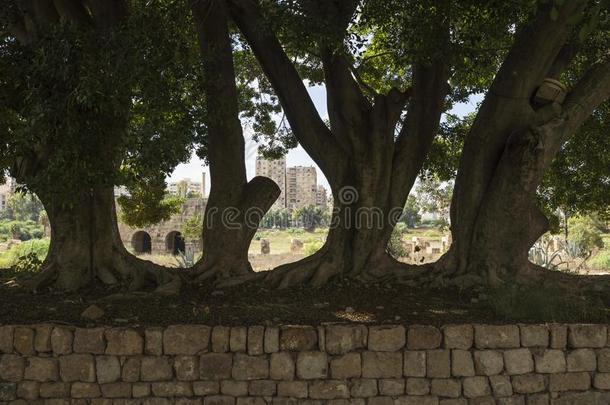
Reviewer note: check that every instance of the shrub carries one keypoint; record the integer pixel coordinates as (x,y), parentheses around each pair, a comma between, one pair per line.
(31,248)
(396,246)
(310,248)
(584,235)
(601,261)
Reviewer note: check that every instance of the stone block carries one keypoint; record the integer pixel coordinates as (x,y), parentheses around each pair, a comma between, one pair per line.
(77,367)
(559,336)
(328,389)
(386,338)
(28,390)
(61,341)
(41,369)
(363,388)
(172,389)
(501,385)
(250,401)
(89,341)
(391,386)
(312,365)
(475,387)
(220,339)
(256,337)
(247,367)
(124,342)
(418,386)
(528,383)
(381,401)
(538,399)
(6,339)
(186,339)
(462,364)
(12,367)
(215,366)
(292,389)
(514,400)
(550,361)
(205,388)
(153,341)
(438,363)
(603,360)
(156,369)
(281,366)
(140,390)
(85,390)
(116,390)
(8,391)
(422,337)
(587,336)
(458,336)
(234,388)
(272,339)
(581,360)
(341,339)
(186,368)
(219,400)
(569,382)
(347,366)
(262,388)
(42,338)
(534,335)
(415,363)
(488,362)
(446,387)
(454,401)
(382,364)
(54,390)
(409,400)
(23,341)
(602,381)
(581,398)
(496,336)
(518,361)
(108,369)
(238,341)
(131,369)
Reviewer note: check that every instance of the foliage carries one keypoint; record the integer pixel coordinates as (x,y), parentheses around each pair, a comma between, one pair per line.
(410,214)
(192,229)
(277,218)
(309,248)
(21,206)
(148,204)
(309,217)
(38,247)
(22,230)
(434,196)
(396,246)
(543,304)
(584,235)
(601,261)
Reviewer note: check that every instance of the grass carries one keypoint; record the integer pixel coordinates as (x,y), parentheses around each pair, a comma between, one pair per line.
(11,257)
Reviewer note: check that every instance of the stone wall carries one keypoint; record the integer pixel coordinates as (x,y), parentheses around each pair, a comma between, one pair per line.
(333,364)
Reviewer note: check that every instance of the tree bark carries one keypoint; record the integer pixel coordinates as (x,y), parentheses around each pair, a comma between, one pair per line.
(86,246)
(235,206)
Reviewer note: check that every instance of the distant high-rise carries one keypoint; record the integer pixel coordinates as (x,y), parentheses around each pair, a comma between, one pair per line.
(187,188)
(301,186)
(276,171)
(321,197)
(6,190)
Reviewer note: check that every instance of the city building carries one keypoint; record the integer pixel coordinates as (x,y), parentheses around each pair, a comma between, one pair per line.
(6,190)
(321,198)
(276,171)
(301,186)
(187,188)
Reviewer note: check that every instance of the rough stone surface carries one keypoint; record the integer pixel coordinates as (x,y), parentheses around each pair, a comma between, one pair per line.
(386,338)
(90,341)
(41,369)
(446,387)
(6,339)
(220,339)
(518,361)
(153,341)
(23,340)
(534,335)
(256,336)
(382,364)
(298,338)
(475,387)
(501,385)
(528,383)
(458,336)
(392,386)
(61,341)
(123,342)
(12,367)
(496,336)
(246,367)
(312,365)
(589,336)
(582,360)
(550,361)
(418,386)
(156,369)
(462,364)
(282,366)
(215,366)
(347,366)
(421,337)
(415,363)
(569,382)
(438,364)
(108,369)
(186,339)
(344,338)
(186,368)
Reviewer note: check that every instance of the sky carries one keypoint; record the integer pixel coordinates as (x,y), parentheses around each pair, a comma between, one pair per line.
(296,157)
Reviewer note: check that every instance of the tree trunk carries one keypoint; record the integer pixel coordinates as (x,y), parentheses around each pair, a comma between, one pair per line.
(235,206)
(86,246)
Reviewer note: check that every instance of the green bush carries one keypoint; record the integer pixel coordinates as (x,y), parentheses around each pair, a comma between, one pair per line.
(396,247)
(539,304)
(601,261)
(310,248)
(584,235)
(31,248)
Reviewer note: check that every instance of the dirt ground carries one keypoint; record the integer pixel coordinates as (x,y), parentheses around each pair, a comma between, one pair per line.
(342,301)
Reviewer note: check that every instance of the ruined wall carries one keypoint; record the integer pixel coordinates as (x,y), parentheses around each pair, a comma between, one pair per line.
(334,364)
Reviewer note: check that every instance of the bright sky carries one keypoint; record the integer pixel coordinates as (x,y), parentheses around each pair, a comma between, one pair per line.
(296,157)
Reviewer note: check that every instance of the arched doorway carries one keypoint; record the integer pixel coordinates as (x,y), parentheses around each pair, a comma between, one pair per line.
(141,243)
(174,243)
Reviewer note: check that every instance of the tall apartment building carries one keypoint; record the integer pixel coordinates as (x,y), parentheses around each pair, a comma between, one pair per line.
(321,197)
(301,186)
(276,171)
(6,190)
(185,187)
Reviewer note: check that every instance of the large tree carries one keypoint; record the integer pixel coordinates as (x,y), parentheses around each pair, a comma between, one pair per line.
(93,96)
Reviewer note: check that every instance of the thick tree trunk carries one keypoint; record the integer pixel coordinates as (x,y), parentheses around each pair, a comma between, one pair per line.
(235,206)
(86,246)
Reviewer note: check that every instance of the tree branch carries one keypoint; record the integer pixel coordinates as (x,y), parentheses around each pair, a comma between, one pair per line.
(73,11)
(309,128)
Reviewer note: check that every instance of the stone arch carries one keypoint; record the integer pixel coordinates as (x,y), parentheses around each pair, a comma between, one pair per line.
(141,243)
(174,243)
